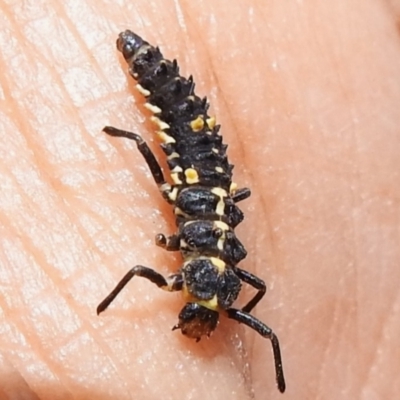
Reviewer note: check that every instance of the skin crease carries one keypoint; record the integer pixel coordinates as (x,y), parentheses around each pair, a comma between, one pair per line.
(308,95)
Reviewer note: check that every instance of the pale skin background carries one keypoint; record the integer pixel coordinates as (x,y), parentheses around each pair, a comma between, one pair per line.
(308,94)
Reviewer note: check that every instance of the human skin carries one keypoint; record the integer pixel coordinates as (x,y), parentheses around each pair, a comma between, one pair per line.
(308,95)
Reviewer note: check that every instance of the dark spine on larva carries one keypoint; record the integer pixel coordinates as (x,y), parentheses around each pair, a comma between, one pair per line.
(195,142)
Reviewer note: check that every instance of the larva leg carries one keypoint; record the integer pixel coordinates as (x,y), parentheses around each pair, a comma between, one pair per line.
(171,284)
(148,155)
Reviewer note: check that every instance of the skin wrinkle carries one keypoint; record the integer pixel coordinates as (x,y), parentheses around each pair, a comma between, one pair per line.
(83,323)
(86,50)
(32,339)
(371,365)
(336,308)
(27,49)
(13,378)
(180,16)
(330,342)
(33,250)
(302,265)
(374,361)
(23,126)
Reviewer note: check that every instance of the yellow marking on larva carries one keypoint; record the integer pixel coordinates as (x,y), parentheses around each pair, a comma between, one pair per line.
(190,257)
(183,244)
(211,122)
(165,187)
(219,169)
(175,178)
(143,91)
(224,227)
(178,211)
(191,176)
(197,124)
(217,262)
(173,155)
(161,124)
(221,225)
(173,195)
(151,107)
(214,150)
(219,192)
(233,188)
(165,138)
(175,175)
(170,284)
(143,49)
(211,304)
(220,209)
(187,223)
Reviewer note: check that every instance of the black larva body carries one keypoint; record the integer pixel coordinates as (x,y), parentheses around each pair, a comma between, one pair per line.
(202,195)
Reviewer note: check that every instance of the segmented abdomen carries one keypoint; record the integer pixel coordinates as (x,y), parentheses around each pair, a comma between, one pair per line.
(195,152)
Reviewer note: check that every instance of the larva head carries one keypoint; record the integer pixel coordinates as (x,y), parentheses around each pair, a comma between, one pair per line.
(196,320)
(128,43)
